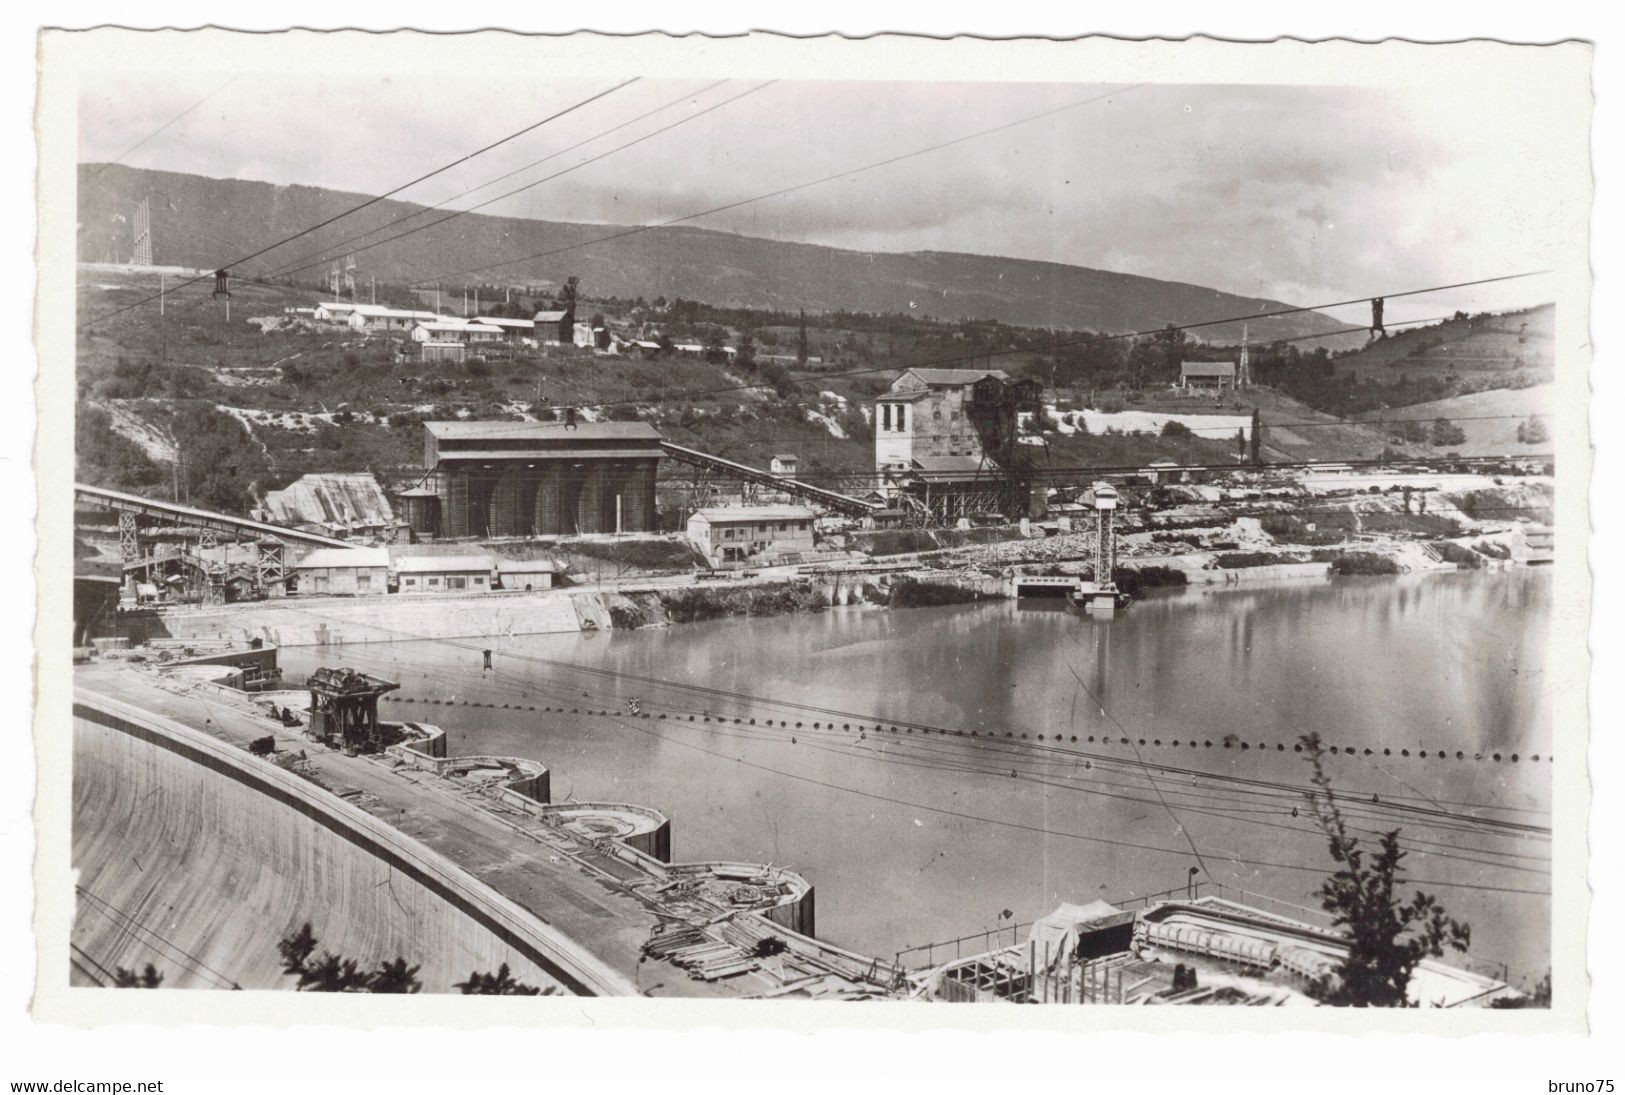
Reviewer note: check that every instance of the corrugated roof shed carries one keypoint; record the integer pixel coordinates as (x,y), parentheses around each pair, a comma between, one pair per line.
(335,499)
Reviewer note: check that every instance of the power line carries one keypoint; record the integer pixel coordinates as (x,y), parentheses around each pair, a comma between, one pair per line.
(635,230)
(378,198)
(116,159)
(294,264)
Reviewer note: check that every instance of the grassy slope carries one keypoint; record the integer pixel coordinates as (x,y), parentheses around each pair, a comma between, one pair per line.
(1487,436)
(142,367)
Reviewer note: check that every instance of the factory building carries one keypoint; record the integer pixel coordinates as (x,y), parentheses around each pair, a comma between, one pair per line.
(752,534)
(444,573)
(344,571)
(498,479)
(945,441)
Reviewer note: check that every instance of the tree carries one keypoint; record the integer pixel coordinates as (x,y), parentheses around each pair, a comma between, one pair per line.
(500,983)
(148,978)
(396,977)
(1257,439)
(1177,430)
(331,973)
(1446,432)
(1533,431)
(1538,997)
(1387,936)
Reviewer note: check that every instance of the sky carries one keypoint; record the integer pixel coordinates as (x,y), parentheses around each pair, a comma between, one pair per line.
(1302,194)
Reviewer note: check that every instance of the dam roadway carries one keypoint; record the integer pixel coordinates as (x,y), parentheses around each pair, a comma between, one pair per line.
(596,917)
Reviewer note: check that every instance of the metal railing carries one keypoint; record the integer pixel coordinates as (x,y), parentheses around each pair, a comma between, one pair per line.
(995,937)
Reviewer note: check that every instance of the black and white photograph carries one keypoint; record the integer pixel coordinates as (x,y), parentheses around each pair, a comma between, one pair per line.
(1096,525)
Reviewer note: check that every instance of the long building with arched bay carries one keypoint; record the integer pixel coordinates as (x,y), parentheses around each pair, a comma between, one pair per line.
(494,479)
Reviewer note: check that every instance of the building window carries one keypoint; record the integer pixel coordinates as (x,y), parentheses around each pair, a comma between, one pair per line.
(363,583)
(901,415)
(885,416)
(457,582)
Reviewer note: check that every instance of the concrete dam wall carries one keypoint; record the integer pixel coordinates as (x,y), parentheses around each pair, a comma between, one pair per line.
(196,857)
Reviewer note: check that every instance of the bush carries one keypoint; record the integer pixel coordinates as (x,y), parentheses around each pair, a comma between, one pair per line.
(1295,530)
(1238,560)
(1134,580)
(914,593)
(262,747)
(1176,430)
(1363,562)
(1462,556)
(1493,549)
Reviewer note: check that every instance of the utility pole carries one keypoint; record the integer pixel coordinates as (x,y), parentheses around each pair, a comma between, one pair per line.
(160,293)
(373,280)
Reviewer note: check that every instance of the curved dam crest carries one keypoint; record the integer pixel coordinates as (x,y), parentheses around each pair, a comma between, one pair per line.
(199,859)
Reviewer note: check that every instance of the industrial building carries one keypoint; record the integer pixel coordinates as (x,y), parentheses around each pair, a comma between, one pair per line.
(444,573)
(752,534)
(336,503)
(496,479)
(443,330)
(372,317)
(945,442)
(526,573)
(513,330)
(344,571)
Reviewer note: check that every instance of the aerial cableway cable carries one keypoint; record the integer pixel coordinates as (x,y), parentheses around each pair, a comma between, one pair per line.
(1083,340)
(293,265)
(454,214)
(635,230)
(1219,813)
(1416,813)
(373,200)
(1453,852)
(120,157)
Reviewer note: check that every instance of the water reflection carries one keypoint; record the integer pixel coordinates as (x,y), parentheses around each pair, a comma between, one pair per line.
(916,837)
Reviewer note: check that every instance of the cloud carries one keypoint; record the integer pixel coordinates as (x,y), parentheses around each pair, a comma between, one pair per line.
(1291,192)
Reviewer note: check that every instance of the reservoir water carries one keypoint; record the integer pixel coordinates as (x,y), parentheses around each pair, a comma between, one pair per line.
(1031,797)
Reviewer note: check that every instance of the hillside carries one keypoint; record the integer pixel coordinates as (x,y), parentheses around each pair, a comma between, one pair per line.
(1495,423)
(249,411)
(1456,357)
(197,220)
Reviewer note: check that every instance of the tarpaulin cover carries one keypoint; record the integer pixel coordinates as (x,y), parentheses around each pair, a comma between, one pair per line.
(1059,930)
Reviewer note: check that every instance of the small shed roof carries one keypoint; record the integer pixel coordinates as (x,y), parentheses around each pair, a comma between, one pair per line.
(552,316)
(323,558)
(725,514)
(1207,368)
(440,564)
(507,321)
